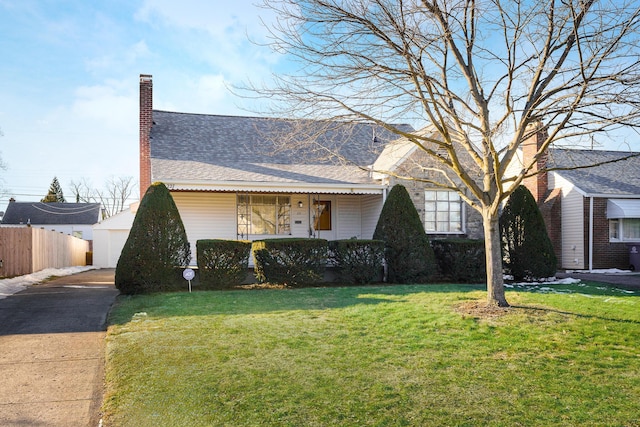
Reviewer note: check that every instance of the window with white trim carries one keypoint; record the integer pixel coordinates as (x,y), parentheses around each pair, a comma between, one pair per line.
(624,230)
(263,214)
(443,212)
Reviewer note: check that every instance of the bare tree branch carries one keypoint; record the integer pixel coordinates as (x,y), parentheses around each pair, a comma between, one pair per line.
(113,197)
(484,74)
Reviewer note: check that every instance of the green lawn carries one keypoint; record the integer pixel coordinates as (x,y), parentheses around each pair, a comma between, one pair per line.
(375,356)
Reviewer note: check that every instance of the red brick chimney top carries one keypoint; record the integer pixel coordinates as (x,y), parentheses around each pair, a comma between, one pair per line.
(146,121)
(538,184)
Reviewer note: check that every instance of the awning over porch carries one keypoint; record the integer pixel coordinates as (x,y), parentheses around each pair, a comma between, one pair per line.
(623,208)
(276,187)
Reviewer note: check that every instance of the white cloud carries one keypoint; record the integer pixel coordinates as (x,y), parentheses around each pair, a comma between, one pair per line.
(211,87)
(110,104)
(222,19)
(119,58)
(220,35)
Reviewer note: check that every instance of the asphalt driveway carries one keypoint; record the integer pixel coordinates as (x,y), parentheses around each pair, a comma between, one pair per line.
(629,281)
(52,351)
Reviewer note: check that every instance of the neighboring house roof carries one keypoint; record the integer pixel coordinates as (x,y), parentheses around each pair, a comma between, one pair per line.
(610,179)
(51,213)
(229,152)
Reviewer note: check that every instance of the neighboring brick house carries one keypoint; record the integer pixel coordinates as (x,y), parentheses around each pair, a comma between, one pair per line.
(592,213)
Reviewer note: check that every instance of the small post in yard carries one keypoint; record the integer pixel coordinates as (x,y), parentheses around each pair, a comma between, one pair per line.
(188,274)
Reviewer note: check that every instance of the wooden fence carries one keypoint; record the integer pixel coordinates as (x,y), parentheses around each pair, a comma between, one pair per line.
(24,250)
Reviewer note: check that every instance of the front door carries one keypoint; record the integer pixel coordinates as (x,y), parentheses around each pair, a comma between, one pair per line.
(323,217)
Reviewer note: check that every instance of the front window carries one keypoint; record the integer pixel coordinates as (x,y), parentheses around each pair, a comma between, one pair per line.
(624,230)
(443,212)
(263,214)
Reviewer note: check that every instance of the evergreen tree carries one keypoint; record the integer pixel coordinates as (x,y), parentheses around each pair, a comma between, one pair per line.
(157,245)
(408,254)
(55,193)
(527,250)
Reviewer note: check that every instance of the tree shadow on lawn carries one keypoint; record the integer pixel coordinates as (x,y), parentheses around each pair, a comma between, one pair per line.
(269,299)
(261,299)
(546,310)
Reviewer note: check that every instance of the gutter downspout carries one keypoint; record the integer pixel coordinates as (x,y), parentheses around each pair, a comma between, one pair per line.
(591,233)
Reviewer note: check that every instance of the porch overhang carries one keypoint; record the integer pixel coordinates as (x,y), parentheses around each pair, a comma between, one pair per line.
(623,208)
(275,187)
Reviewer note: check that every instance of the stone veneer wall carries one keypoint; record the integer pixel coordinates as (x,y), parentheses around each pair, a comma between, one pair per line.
(473,229)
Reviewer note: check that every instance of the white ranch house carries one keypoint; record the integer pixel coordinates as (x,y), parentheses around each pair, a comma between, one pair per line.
(231,178)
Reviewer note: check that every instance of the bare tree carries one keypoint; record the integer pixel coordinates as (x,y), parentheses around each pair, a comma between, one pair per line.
(483,73)
(113,197)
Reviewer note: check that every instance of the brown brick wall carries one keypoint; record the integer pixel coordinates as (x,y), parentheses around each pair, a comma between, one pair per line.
(605,253)
(538,184)
(551,210)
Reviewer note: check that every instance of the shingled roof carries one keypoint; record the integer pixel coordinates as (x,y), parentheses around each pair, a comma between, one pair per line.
(611,178)
(198,147)
(37,213)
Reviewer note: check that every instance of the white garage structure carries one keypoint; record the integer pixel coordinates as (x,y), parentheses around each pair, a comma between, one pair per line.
(109,237)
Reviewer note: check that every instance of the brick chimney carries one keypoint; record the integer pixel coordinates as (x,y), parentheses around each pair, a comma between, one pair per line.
(538,185)
(146,121)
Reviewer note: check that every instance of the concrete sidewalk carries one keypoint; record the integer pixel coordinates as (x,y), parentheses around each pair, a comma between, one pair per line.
(52,351)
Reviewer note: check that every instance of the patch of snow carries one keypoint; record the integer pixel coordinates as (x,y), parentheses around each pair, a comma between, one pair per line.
(603,271)
(547,281)
(19,283)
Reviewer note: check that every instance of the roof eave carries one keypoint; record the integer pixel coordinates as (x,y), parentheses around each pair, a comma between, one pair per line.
(275,187)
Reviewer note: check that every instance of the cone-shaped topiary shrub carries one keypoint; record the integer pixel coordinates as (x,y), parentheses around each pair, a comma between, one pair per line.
(527,250)
(408,254)
(156,247)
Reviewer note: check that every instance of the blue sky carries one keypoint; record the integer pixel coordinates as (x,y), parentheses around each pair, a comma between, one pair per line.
(69,80)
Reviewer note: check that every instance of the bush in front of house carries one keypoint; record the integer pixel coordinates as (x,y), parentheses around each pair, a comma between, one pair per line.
(222,263)
(357,261)
(461,260)
(290,261)
(408,254)
(526,248)
(156,248)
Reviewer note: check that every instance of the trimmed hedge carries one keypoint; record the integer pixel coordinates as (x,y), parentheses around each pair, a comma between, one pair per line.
(461,260)
(222,263)
(357,261)
(290,261)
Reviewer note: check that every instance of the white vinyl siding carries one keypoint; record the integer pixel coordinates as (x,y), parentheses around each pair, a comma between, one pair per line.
(371,208)
(207,216)
(348,217)
(573,255)
(299,215)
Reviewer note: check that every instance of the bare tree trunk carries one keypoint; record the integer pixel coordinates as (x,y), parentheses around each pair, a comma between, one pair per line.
(495,279)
